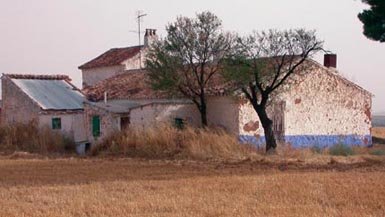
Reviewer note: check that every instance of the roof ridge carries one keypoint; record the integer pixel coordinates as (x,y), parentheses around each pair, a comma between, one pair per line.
(127,47)
(38,76)
(112,57)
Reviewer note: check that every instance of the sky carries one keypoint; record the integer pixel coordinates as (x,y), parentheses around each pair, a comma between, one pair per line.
(57,36)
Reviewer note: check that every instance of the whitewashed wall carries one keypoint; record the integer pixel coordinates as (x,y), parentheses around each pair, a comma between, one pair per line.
(222,112)
(93,76)
(109,122)
(72,125)
(151,115)
(134,63)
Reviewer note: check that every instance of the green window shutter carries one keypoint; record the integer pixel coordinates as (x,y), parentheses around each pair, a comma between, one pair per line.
(179,123)
(96,126)
(56,123)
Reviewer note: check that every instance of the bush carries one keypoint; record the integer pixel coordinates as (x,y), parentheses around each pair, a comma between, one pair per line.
(341,150)
(30,138)
(316,149)
(377,152)
(167,141)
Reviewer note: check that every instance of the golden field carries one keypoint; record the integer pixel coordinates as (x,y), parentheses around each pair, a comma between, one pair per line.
(352,186)
(290,183)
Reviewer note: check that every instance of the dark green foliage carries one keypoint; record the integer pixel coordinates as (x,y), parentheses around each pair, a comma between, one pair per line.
(341,150)
(374,20)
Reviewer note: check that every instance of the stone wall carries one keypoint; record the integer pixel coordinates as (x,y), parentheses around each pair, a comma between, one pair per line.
(321,109)
(325,109)
(17,107)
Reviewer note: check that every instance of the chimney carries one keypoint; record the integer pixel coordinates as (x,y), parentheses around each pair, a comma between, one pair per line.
(150,37)
(330,60)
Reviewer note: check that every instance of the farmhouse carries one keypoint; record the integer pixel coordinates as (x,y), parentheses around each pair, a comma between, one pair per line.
(323,108)
(45,100)
(116,61)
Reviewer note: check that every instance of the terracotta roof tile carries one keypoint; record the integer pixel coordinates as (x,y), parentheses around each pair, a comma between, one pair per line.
(112,57)
(134,84)
(129,85)
(38,77)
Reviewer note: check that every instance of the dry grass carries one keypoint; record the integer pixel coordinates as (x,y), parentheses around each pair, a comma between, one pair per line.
(378,132)
(127,187)
(30,138)
(291,183)
(169,142)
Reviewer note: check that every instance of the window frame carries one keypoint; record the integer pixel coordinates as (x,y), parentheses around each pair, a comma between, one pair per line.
(56,123)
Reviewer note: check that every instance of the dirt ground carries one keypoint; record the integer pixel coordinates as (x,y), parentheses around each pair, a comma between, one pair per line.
(333,186)
(291,183)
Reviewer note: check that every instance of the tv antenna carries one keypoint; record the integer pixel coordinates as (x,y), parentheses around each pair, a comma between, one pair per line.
(139,18)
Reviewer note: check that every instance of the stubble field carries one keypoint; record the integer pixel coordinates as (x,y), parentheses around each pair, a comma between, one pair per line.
(266,186)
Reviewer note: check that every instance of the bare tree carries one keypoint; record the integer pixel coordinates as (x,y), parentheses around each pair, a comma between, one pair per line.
(187,59)
(263,62)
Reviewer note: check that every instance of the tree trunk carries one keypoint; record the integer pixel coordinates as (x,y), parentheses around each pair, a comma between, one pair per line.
(203,111)
(267,125)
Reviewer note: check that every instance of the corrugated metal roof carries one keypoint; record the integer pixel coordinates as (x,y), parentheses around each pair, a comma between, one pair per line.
(52,94)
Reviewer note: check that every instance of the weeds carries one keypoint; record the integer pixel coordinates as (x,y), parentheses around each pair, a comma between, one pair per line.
(341,150)
(31,138)
(378,152)
(167,141)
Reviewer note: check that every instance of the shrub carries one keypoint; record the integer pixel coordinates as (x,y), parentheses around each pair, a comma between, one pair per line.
(168,141)
(31,138)
(377,152)
(341,150)
(316,149)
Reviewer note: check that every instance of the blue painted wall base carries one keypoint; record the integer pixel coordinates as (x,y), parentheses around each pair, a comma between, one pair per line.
(322,141)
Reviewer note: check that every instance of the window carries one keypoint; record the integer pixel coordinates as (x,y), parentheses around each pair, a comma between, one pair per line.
(96,126)
(179,123)
(56,123)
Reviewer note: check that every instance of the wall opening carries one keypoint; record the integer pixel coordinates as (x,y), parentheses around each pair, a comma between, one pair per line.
(124,123)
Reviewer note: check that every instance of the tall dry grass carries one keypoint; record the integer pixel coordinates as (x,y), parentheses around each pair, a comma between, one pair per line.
(167,141)
(31,138)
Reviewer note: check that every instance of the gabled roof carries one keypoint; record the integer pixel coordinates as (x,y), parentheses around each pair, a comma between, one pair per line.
(130,85)
(50,92)
(112,57)
(134,84)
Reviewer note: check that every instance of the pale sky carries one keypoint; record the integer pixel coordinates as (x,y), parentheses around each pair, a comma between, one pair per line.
(56,36)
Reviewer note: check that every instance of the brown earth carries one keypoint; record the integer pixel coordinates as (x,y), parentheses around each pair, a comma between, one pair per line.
(291,183)
(333,186)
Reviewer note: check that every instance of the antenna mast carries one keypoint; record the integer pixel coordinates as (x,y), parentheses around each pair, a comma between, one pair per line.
(140,14)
